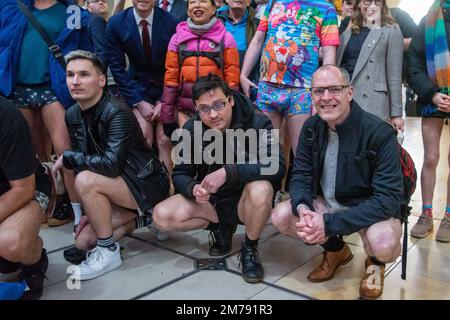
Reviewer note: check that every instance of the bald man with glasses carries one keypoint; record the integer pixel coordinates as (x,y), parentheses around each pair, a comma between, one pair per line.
(342,184)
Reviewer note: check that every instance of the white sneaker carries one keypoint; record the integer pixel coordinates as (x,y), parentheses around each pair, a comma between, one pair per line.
(160,235)
(100,261)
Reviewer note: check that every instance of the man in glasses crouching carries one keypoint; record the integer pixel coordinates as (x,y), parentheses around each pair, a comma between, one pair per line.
(341,184)
(227,169)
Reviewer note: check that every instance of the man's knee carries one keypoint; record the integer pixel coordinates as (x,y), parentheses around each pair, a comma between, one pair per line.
(259,193)
(282,216)
(13,246)
(385,244)
(431,159)
(163,216)
(85,182)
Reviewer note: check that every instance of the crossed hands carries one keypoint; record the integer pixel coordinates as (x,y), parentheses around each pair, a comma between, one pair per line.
(149,111)
(210,184)
(442,101)
(311,227)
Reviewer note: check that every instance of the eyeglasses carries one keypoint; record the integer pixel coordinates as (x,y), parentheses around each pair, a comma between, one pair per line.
(332,90)
(219,105)
(369,2)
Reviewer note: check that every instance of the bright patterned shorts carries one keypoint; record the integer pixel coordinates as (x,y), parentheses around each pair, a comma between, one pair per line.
(288,101)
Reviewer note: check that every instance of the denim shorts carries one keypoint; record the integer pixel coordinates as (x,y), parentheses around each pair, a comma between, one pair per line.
(286,100)
(33,96)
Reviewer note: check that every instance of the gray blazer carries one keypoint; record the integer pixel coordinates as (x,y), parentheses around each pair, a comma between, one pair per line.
(377,77)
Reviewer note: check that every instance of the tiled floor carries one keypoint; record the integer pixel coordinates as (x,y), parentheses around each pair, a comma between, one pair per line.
(155,270)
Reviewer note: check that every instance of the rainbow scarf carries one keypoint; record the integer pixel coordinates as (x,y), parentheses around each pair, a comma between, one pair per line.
(437,52)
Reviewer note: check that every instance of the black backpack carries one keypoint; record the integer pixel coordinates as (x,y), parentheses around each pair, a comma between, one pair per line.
(217,55)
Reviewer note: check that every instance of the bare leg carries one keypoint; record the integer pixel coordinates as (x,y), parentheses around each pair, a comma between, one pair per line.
(382,240)
(294,125)
(122,224)
(431,134)
(19,235)
(53,118)
(98,193)
(181,214)
(146,127)
(164,147)
(255,206)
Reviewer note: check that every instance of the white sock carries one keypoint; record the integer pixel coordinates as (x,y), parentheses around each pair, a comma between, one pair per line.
(77,212)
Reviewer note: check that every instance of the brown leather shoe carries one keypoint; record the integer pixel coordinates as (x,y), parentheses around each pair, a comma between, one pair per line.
(371,286)
(330,262)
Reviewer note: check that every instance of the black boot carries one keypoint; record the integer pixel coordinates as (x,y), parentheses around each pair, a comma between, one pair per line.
(34,276)
(7,266)
(252,269)
(220,237)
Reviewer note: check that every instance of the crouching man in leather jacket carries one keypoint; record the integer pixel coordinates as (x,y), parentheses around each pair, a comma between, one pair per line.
(118,174)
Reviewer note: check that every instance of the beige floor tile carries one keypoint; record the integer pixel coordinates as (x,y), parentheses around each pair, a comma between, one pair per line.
(57,237)
(415,287)
(430,259)
(197,245)
(208,285)
(58,265)
(137,275)
(279,256)
(271,293)
(344,285)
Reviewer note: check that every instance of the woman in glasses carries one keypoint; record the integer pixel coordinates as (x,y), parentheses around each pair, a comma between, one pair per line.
(201,45)
(371,51)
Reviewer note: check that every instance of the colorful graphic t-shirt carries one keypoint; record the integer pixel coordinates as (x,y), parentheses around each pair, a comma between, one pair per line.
(295,31)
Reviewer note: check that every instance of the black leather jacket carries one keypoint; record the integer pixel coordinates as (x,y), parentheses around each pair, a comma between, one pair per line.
(369,179)
(120,151)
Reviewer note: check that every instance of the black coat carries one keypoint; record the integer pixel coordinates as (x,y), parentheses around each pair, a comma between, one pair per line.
(186,175)
(368,180)
(179,10)
(418,77)
(121,150)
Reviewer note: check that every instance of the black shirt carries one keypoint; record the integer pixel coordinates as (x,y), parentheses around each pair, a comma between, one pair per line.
(17,158)
(352,50)
(88,116)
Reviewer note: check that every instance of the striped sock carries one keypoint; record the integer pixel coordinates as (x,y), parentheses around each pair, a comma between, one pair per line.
(143,221)
(428,210)
(109,243)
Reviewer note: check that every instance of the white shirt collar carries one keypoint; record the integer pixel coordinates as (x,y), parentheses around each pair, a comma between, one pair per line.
(138,18)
